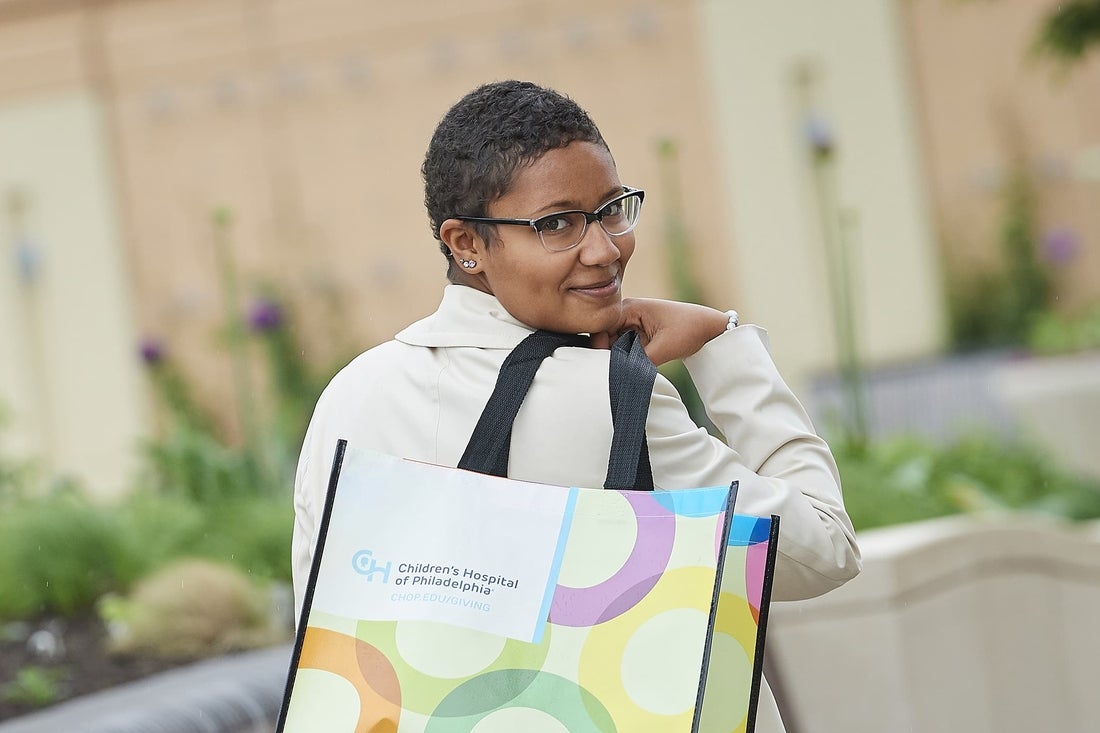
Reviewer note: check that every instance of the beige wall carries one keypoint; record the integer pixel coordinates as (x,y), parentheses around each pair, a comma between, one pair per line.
(778,257)
(310,120)
(67,367)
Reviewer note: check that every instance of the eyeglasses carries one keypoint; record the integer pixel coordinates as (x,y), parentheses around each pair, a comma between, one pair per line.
(564,230)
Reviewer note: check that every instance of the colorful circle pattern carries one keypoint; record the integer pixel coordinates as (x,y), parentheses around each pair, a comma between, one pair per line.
(579,607)
(604,620)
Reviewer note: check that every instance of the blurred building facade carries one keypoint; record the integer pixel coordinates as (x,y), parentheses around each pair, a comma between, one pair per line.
(124,124)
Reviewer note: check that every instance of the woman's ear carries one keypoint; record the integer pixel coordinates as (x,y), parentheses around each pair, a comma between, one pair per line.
(464,243)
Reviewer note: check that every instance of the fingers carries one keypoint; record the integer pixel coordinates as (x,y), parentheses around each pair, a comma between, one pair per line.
(668,329)
(672,330)
(603,340)
(630,319)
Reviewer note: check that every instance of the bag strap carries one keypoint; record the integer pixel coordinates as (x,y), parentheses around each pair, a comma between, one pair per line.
(631,376)
(487,451)
(630,382)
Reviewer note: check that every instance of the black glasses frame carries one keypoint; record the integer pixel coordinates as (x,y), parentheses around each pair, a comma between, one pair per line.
(589,217)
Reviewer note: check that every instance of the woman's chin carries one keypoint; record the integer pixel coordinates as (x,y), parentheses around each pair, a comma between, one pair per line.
(570,319)
(606,322)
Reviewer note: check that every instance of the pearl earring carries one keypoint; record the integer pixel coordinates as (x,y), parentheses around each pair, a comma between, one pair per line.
(469,264)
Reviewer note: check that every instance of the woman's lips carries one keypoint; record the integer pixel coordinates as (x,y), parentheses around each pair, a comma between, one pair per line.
(600,289)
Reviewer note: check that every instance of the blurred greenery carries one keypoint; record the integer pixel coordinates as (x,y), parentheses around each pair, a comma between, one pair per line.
(60,552)
(682,274)
(996,307)
(910,479)
(1056,333)
(1070,30)
(33,685)
(199,493)
(193,456)
(838,228)
(1016,303)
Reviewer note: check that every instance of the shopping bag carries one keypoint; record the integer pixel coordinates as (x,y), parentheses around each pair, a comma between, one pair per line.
(736,658)
(448,600)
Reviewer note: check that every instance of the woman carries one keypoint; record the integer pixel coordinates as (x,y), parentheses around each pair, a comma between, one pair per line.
(525,200)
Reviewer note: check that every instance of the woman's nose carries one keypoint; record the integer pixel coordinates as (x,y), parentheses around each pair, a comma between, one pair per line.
(597,247)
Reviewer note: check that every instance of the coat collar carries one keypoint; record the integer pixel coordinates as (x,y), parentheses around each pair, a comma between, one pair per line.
(466,317)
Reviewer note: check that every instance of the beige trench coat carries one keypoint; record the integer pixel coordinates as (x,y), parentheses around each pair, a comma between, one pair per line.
(420,395)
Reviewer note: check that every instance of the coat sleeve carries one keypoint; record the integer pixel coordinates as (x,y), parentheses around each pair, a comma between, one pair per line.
(308,505)
(310,491)
(783,467)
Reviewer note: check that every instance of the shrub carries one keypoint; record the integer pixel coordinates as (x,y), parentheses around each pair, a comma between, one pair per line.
(907,479)
(253,534)
(58,554)
(34,686)
(1054,333)
(994,308)
(192,463)
(191,608)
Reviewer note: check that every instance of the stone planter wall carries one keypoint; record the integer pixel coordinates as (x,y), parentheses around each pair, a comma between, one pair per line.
(961,624)
(1056,401)
(241,693)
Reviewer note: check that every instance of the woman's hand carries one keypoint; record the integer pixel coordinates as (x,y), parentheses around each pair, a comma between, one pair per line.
(668,329)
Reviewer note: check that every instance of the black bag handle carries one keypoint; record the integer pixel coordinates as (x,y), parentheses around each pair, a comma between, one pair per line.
(630,382)
(487,451)
(630,376)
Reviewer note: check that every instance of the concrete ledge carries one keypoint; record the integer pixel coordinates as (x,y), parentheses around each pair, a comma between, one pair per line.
(241,693)
(1056,399)
(984,625)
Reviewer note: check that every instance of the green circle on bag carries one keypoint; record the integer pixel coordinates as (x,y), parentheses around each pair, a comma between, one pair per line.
(574,707)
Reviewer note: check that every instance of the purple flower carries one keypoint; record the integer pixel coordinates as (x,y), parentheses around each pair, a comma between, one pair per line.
(1060,246)
(265,315)
(151,350)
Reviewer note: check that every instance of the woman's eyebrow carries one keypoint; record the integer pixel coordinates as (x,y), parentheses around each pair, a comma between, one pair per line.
(567,205)
(616,191)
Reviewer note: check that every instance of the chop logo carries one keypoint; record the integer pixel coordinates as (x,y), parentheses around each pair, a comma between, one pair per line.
(364,563)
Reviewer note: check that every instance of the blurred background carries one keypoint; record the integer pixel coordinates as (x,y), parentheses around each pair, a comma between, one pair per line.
(209,206)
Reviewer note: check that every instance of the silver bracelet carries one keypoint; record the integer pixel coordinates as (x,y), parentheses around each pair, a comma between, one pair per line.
(734,319)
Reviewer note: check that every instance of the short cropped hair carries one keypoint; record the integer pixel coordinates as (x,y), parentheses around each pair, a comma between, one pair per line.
(485,138)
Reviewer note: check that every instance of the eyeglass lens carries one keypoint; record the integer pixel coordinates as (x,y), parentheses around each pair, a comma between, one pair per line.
(565,230)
